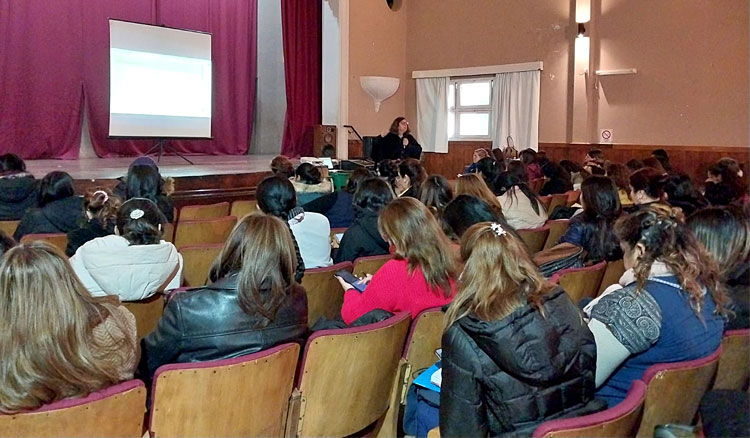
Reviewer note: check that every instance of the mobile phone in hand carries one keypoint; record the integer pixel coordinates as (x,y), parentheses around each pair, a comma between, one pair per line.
(351,279)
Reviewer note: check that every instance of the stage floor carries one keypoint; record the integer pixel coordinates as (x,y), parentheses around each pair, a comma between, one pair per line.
(176,167)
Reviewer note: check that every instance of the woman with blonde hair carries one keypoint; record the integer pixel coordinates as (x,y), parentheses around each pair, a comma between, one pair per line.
(58,341)
(473,184)
(512,340)
(422,270)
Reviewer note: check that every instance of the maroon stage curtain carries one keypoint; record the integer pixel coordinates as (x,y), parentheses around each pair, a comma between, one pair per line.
(301,29)
(53,52)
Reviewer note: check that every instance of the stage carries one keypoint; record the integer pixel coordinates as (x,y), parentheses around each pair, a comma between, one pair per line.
(213,178)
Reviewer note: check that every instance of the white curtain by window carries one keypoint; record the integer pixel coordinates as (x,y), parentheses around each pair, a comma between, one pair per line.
(515,109)
(432,114)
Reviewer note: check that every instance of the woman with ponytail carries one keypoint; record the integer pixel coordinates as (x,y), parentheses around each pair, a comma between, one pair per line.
(100,207)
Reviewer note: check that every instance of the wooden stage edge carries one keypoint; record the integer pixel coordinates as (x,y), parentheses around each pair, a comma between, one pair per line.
(213,178)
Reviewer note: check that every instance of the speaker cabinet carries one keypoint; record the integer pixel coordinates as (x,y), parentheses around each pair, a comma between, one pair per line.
(323,135)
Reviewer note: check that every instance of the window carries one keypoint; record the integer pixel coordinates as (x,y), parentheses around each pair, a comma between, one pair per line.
(469,108)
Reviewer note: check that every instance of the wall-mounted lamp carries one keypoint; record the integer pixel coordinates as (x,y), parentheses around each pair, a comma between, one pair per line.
(581,30)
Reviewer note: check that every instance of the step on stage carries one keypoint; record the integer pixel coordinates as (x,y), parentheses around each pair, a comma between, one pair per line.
(213,178)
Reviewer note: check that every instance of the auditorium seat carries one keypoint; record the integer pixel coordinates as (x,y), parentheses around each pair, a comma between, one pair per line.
(556,230)
(9,227)
(324,293)
(674,390)
(580,283)
(619,421)
(536,185)
(242,208)
(369,264)
(734,371)
(612,274)
(116,411)
(345,380)
(203,231)
(147,313)
(168,232)
(209,211)
(559,200)
(573,196)
(534,238)
(238,397)
(59,240)
(197,261)
(545,200)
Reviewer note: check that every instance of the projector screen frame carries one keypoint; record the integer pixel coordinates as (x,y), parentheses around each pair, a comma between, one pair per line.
(160,139)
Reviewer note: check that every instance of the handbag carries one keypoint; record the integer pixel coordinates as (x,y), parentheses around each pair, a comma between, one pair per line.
(559,257)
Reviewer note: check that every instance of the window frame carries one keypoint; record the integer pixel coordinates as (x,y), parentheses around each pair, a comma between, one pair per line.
(456,110)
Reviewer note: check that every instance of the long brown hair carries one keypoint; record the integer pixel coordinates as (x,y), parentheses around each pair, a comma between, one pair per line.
(725,233)
(473,184)
(498,277)
(47,320)
(417,237)
(261,252)
(101,204)
(665,238)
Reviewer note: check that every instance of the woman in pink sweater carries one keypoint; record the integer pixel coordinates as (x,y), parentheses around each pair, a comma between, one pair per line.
(421,273)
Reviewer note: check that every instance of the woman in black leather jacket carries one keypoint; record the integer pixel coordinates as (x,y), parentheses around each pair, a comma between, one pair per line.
(516,351)
(252,304)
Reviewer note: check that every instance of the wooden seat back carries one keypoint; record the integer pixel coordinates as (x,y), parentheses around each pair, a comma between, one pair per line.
(573,196)
(324,293)
(558,200)
(734,370)
(619,421)
(208,211)
(580,283)
(346,378)
(58,240)
(203,231)
(197,261)
(113,412)
(674,390)
(536,185)
(545,200)
(612,274)
(240,397)
(556,230)
(369,264)
(9,227)
(147,313)
(167,231)
(534,238)
(242,208)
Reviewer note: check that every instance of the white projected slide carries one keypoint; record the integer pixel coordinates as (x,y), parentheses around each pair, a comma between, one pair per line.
(160,81)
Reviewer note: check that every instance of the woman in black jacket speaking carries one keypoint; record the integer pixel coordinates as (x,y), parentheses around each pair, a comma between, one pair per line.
(516,351)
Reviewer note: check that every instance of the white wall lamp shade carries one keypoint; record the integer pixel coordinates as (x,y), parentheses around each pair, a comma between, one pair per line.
(379,88)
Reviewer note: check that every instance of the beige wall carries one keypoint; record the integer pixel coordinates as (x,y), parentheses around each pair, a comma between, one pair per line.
(377,47)
(692,59)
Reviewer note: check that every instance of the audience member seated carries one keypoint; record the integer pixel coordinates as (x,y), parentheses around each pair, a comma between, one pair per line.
(635,165)
(725,233)
(58,341)
(337,206)
(410,177)
(576,172)
(593,230)
(421,274)
(521,208)
(466,210)
(435,194)
(144,181)
(252,304)
(311,231)
(654,164)
(621,176)
(679,192)
(490,169)
(19,191)
(473,184)
(398,143)
(282,166)
(663,157)
(516,351)
(362,238)
(60,210)
(533,170)
(724,184)
(134,263)
(594,158)
(670,308)
(388,171)
(646,187)
(100,207)
(558,180)
(517,169)
(475,157)
(309,184)
(6,243)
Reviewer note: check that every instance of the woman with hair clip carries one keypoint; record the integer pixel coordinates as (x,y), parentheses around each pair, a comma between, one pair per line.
(669,305)
(645,187)
(521,207)
(134,263)
(58,341)
(362,238)
(593,230)
(472,184)
(253,302)
(725,233)
(435,194)
(100,208)
(59,209)
(422,270)
(516,351)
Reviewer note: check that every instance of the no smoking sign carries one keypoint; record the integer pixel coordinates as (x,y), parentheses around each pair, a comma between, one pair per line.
(605,135)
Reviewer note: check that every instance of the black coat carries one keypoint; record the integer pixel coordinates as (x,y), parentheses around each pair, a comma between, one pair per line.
(207,323)
(391,147)
(361,239)
(556,187)
(59,216)
(17,194)
(506,377)
(88,231)
(738,289)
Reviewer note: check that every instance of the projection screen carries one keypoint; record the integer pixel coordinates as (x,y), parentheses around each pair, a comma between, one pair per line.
(160,81)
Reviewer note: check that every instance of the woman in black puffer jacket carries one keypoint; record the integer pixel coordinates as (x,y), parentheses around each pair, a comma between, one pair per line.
(516,351)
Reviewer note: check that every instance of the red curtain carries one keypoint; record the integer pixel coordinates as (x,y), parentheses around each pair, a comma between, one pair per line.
(301,29)
(54,51)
